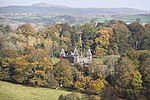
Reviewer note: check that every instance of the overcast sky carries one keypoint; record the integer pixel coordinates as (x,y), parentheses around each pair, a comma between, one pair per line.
(138,4)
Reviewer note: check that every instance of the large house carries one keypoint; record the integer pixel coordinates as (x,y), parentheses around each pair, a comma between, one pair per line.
(76,58)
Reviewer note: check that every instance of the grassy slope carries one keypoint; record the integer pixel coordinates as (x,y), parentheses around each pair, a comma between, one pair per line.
(9,91)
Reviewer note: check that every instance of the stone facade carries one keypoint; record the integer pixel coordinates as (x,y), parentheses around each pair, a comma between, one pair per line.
(76,58)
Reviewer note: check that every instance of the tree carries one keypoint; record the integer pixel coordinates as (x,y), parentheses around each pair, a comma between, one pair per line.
(119,38)
(82,83)
(6,64)
(33,68)
(111,61)
(7,29)
(102,41)
(72,96)
(138,20)
(63,73)
(26,30)
(87,35)
(129,82)
(88,85)
(109,93)
(145,70)
(136,36)
(1,43)
(97,85)
(145,40)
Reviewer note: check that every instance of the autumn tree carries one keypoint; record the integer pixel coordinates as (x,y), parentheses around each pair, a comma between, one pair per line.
(145,70)
(33,68)
(88,85)
(6,64)
(27,33)
(141,59)
(129,82)
(63,73)
(109,93)
(119,40)
(26,29)
(82,83)
(97,85)
(56,37)
(102,41)
(136,36)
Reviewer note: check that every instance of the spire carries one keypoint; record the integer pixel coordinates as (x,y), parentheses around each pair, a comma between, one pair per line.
(62,53)
(76,52)
(72,53)
(89,52)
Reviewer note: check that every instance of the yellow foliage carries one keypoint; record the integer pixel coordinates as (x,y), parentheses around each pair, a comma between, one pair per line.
(102,41)
(105,35)
(96,85)
(88,84)
(32,67)
(100,51)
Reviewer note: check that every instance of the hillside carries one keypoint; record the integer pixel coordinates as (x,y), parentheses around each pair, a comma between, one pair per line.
(57,9)
(9,91)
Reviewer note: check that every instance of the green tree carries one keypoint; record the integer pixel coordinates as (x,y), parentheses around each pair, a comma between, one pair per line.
(120,38)
(129,82)
(63,73)
(87,34)
(6,64)
(137,32)
(145,70)
(145,40)
(5,29)
(138,20)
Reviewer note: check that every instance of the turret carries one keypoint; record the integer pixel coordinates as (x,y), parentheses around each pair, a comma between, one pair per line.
(89,55)
(62,54)
(76,56)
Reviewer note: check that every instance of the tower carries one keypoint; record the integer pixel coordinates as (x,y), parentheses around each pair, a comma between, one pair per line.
(89,55)
(62,54)
(76,56)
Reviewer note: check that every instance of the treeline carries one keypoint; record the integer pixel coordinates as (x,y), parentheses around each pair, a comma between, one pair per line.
(26,53)
(114,37)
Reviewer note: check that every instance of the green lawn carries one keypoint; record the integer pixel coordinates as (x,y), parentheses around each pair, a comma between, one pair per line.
(9,91)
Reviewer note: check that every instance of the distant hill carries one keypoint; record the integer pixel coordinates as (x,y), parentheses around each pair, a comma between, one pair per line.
(57,9)
(47,5)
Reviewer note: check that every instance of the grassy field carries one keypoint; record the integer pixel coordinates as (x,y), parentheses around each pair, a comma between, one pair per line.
(9,91)
(132,18)
(128,18)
